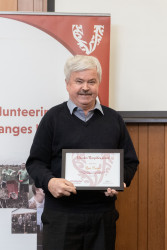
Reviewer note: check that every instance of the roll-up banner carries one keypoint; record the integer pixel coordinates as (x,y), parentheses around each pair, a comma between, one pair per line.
(33,50)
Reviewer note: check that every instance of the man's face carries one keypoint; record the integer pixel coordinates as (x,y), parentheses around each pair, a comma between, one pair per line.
(83,88)
(23,166)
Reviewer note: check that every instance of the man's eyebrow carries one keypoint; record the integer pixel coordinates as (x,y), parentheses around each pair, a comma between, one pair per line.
(81,79)
(77,78)
(92,79)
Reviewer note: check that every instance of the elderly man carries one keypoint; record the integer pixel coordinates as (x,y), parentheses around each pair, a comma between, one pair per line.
(79,219)
(24,181)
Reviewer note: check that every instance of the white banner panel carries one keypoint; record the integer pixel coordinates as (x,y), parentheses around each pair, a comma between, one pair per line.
(33,50)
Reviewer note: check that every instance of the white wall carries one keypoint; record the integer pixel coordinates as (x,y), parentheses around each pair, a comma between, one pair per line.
(138,75)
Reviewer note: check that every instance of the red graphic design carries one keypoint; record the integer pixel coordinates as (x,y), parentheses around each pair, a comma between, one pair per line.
(95,37)
(92,173)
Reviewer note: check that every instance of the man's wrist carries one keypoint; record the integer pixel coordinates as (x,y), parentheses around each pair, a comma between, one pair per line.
(46,182)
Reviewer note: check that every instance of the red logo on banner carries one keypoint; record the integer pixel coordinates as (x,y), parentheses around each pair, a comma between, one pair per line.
(77,31)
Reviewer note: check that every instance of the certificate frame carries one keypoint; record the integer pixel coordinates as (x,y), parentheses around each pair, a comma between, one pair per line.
(109,162)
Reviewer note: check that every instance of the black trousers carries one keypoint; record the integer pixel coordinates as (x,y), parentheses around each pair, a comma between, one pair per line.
(79,231)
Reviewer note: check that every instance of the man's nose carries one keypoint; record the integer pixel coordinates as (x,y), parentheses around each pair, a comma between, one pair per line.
(85,86)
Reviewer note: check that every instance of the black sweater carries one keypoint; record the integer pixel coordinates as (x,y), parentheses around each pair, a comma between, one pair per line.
(59,130)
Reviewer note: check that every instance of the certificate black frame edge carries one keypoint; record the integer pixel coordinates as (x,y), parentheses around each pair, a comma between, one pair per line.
(63,163)
(121,151)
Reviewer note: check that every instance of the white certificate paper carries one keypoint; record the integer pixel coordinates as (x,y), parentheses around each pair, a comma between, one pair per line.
(93,169)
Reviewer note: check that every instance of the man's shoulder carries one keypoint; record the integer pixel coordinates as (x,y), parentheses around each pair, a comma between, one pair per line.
(55,110)
(58,107)
(53,115)
(111,112)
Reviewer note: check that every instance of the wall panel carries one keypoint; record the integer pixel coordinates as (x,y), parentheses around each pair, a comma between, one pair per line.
(44,5)
(25,5)
(142,188)
(165,187)
(156,187)
(38,5)
(8,5)
(127,205)
(143,216)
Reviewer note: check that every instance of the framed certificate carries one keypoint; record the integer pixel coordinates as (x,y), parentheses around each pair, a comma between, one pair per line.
(93,169)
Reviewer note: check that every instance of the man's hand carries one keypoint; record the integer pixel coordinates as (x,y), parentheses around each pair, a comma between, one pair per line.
(111,192)
(61,187)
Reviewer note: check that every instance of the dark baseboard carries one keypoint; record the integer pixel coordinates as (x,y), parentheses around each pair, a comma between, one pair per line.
(144,116)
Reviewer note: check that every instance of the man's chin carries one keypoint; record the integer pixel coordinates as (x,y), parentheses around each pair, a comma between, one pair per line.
(86,103)
(85,97)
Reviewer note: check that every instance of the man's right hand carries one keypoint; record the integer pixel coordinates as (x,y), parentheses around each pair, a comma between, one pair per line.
(59,187)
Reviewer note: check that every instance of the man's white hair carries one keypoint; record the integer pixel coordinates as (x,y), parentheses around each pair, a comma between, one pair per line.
(81,63)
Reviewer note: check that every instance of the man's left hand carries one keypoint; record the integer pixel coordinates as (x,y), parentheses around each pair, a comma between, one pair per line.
(111,192)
